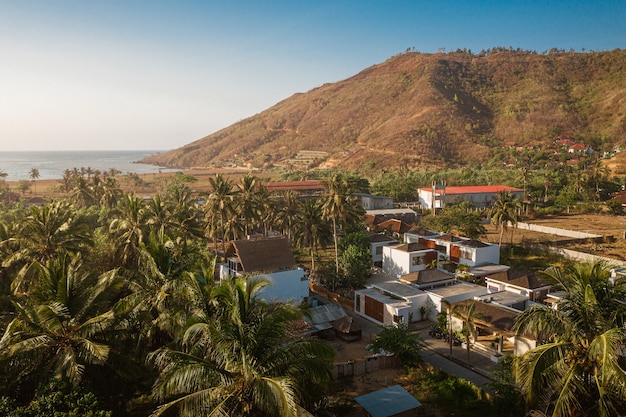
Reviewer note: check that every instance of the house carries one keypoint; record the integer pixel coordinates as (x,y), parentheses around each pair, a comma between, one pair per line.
(271,257)
(429,278)
(375,202)
(393,401)
(457,249)
(377,242)
(439,297)
(578,148)
(478,196)
(388,303)
(496,326)
(394,226)
(403,259)
(404,214)
(519,281)
(472,252)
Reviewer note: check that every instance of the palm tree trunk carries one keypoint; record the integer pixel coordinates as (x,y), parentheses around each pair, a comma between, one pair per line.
(336,252)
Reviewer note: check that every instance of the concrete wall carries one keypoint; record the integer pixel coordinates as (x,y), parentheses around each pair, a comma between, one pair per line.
(287,286)
(556,231)
(397,263)
(487,255)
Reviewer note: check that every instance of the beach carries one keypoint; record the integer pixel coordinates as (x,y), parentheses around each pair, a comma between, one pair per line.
(152,183)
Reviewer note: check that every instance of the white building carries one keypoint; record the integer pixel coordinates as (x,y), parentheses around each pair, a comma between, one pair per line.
(271,257)
(389,303)
(403,259)
(478,196)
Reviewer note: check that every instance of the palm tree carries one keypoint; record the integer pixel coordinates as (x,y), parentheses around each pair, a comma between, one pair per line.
(129,228)
(340,207)
(578,368)
(219,207)
(287,210)
(62,330)
(236,359)
(34,176)
(247,204)
(504,212)
(50,229)
(467,312)
(311,230)
(184,214)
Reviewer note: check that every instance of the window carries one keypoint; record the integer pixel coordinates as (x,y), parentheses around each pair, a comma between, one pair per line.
(441,248)
(379,250)
(398,319)
(466,253)
(417,260)
(357,307)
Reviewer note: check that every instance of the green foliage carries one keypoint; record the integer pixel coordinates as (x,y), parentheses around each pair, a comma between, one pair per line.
(615,207)
(400,341)
(355,263)
(56,401)
(461,218)
(455,395)
(358,239)
(506,400)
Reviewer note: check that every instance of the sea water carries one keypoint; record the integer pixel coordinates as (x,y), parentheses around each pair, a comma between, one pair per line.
(52,164)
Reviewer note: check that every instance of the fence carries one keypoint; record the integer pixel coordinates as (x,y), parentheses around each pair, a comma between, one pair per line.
(364,365)
(557,231)
(332,296)
(578,256)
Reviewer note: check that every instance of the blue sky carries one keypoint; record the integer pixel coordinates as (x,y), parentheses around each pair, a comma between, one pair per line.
(160,74)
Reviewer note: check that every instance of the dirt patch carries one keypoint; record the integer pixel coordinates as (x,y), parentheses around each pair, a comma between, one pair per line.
(611,228)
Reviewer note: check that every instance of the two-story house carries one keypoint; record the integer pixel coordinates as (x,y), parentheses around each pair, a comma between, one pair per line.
(271,257)
(403,259)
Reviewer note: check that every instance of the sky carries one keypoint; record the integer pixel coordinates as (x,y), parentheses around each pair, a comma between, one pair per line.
(156,75)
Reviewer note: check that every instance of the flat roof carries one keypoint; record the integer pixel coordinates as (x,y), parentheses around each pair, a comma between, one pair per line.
(506,298)
(472,189)
(379,296)
(398,288)
(399,210)
(482,270)
(457,289)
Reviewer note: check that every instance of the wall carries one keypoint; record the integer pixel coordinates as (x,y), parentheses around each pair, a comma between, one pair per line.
(364,365)
(556,231)
(287,286)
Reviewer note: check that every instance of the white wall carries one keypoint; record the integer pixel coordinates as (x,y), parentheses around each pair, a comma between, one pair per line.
(481,256)
(287,286)
(397,262)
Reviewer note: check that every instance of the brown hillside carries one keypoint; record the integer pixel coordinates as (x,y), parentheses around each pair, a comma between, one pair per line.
(428,111)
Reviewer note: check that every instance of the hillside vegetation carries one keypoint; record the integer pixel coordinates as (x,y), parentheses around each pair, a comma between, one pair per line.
(429,111)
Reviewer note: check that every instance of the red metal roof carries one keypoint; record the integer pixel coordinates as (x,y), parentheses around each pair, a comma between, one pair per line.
(475,189)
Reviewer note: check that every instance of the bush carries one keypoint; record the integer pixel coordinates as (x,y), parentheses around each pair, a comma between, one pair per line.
(406,346)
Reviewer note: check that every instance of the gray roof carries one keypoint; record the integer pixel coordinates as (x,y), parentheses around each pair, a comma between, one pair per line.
(398,289)
(388,401)
(427,276)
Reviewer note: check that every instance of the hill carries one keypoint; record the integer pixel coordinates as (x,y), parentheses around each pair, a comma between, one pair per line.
(428,111)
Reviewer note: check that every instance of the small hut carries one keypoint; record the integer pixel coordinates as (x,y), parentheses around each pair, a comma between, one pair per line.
(347,329)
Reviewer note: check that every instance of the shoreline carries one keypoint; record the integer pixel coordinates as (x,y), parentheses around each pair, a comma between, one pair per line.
(45,188)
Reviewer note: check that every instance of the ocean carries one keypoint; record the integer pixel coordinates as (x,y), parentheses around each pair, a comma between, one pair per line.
(51,164)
